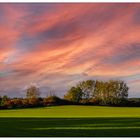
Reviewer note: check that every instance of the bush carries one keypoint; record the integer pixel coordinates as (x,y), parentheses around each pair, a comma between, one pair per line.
(16,103)
(54,100)
(25,103)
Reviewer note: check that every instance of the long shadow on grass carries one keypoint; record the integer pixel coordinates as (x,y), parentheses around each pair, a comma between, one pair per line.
(70,127)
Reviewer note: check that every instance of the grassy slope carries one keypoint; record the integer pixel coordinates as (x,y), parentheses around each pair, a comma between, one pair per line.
(71,121)
(73,111)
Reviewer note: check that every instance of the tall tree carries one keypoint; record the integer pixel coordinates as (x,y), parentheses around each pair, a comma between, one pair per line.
(33,92)
(111,92)
(4,100)
(87,88)
(74,94)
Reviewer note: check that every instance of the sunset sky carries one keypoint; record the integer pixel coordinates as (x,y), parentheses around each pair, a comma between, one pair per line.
(57,45)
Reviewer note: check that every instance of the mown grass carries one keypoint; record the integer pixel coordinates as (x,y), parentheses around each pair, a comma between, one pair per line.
(73,111)
(71,121)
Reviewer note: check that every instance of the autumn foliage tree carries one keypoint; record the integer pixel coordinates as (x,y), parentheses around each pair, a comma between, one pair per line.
(87,88)
(111,92)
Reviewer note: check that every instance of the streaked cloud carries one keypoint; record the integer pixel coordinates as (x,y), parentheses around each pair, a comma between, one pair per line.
(53,44)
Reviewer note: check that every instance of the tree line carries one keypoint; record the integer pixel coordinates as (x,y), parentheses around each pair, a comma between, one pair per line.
(104,93)
(89,92)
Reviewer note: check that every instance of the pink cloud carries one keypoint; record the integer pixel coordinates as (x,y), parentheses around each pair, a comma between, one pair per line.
(94,39)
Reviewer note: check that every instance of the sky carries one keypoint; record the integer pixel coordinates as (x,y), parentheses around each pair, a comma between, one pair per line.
(54,46)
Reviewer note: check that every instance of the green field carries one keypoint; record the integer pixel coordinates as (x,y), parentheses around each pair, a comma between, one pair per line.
(74,121)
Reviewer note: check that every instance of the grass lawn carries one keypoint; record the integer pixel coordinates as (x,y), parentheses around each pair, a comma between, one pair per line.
(74,121)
